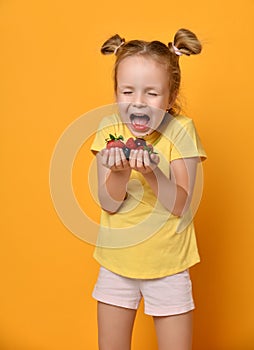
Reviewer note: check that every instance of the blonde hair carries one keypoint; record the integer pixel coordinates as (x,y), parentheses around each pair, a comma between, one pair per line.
(185,42)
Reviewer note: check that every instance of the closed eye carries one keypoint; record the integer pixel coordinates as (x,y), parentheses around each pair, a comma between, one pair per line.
(127,92)
(152,94)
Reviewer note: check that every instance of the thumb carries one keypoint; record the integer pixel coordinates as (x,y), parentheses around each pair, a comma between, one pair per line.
(155,158)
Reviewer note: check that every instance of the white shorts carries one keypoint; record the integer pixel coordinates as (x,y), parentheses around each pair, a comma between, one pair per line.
(170,295)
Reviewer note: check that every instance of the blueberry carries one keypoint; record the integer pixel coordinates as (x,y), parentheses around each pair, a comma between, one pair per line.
(126,152)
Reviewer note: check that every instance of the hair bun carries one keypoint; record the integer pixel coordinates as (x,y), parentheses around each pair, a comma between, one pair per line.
(186,42)
(112,44)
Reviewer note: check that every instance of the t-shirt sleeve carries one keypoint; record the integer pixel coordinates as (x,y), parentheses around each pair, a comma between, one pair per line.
(187,143)
(101,135)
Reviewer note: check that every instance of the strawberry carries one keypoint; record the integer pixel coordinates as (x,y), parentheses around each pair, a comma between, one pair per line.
(115,141)
(139,143)
(130,143)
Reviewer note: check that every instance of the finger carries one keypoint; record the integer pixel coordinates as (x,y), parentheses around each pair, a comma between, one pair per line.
(155,158)
(111,158)
(147,160)
(133,158)
(123,158)
(103,151)
(105,155)
(140,158)
(118,160)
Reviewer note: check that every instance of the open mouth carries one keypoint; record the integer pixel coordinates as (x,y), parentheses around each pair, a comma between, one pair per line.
(139,121)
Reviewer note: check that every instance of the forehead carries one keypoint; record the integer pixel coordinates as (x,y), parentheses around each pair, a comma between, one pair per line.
(142,67)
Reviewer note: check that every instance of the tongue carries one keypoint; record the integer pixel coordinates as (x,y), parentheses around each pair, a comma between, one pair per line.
(139,121)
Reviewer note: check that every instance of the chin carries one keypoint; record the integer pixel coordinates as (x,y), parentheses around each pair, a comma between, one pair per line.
(140,133)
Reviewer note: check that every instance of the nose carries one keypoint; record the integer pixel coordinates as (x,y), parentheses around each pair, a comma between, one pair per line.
(139,101)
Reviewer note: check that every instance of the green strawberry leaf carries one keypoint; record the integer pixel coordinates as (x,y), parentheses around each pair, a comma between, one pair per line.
(114,138)
(146,148)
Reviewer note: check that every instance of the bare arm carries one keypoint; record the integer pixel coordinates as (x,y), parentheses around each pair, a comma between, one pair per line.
(175,193)
(113,176)
(114,173)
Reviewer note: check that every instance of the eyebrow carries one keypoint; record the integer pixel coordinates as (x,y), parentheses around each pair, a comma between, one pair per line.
(131,87)
(125,86)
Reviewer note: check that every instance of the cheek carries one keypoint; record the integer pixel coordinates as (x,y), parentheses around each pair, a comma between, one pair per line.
(121,98)
(158,115)
(117,96)
(163,103)
(167,101)
(123,110)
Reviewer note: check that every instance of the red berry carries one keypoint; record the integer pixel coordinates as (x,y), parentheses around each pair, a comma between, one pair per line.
(115,143)
(130,143)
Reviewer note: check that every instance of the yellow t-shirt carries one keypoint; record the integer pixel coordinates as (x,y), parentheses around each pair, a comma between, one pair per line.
(143,240)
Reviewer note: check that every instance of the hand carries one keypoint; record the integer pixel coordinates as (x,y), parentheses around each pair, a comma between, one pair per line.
(114,159)
(142,161)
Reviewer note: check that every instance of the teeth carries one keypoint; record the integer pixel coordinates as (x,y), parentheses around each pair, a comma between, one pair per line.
(133,115)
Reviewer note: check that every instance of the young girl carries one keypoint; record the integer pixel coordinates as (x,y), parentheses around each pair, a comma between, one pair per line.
(145,195)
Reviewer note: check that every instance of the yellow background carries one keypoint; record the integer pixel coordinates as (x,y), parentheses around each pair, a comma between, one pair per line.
(52,73)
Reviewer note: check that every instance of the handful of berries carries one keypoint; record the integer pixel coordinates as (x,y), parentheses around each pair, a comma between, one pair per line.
(138,143)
